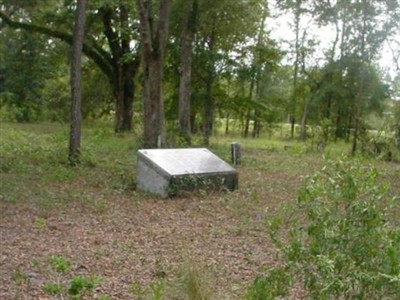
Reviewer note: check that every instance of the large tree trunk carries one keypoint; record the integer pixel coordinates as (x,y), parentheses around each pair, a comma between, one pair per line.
(186,70)
(76,115)
(154,39)
(124,91)
(124,71)
(154,120)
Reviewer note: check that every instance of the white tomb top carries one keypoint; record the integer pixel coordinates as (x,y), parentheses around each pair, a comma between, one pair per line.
(177,162)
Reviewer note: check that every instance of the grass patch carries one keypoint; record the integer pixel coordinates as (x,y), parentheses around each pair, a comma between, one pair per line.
(34,167)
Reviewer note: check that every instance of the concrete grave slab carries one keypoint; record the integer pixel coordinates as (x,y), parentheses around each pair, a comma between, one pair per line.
(165,172)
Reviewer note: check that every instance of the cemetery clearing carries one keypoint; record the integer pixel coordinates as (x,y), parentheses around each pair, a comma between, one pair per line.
(93,216)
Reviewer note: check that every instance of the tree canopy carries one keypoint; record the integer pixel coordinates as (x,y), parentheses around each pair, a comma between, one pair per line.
(218,59)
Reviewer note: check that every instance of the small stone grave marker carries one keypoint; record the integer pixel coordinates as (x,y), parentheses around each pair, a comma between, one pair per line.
(166,171)
(236,154)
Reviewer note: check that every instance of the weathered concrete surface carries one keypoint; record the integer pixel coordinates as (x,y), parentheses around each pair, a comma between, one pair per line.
(166,171)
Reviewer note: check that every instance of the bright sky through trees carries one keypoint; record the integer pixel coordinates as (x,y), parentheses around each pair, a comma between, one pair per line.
(279,24)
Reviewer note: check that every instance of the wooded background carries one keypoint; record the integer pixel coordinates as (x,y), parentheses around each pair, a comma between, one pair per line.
(182,67)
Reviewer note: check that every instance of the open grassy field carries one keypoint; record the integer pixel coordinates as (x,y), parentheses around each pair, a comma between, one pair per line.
(92,217)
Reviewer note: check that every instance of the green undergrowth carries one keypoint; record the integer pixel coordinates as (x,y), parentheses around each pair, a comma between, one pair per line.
(34,166)
(340,239)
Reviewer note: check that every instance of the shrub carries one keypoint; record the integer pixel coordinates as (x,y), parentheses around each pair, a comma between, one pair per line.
(338,242)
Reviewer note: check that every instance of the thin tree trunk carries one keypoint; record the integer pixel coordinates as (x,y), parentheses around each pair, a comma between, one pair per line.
(303,125)
(338,129)
(348,128)
(186,71)
(248,114)
(296,67)
(256,125)
(208,110)
(227,124)
(256,80)
(76,97)
(209,101)
(246,125)
(360,93)
(193,126)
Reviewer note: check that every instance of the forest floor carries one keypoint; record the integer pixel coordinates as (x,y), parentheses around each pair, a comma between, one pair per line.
(93,217)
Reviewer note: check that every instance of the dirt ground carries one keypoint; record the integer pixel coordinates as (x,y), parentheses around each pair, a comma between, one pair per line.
(136,242)
(132,240)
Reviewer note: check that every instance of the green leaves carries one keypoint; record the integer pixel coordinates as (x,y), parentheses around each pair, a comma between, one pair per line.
(77,287)
(59,264)
(52,288)
(340,241)
(268,287)
(80,285)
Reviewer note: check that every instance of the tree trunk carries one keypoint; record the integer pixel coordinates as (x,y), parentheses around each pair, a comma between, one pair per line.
(193,126)
(348,129)
(297,14)
(339,127)
(292,121)
(154,120)
(303,127)
(208,110)
(361,86)
(153,39)
(186,71)
(124,92)
(246,125)
(124,71)
(227,124)
(256,125)
(248,114)
(76,97)
(208,120)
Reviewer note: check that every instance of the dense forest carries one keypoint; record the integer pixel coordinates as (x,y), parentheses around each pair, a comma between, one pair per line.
(178,68)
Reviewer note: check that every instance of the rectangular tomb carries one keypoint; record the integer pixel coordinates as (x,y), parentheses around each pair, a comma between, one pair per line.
(165,172)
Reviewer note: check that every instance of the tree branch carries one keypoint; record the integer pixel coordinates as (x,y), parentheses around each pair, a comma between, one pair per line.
(91,50)
(111,36)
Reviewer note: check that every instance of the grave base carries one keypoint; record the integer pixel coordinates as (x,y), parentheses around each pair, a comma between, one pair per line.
(166,172)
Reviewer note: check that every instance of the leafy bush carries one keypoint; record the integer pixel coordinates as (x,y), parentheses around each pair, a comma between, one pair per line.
(338,242)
